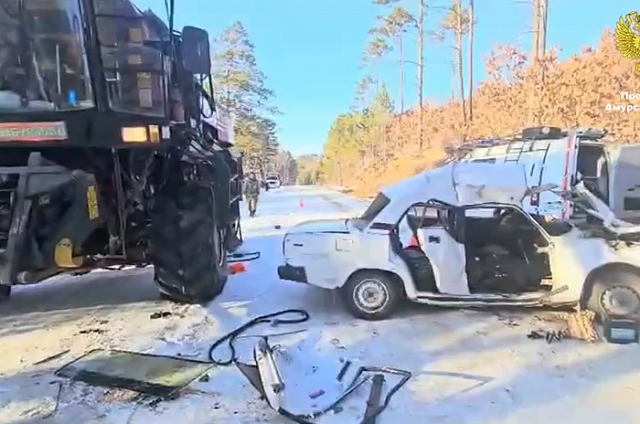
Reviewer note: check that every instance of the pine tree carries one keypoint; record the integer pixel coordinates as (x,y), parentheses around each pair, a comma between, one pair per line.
(420,18)
(240,84)
(309,169)
(472,23)
(363,91)
(393,27)
(456,24)
(377,48)
(241,89)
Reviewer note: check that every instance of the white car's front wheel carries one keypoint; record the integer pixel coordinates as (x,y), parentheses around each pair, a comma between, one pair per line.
(372,295)
(616,293)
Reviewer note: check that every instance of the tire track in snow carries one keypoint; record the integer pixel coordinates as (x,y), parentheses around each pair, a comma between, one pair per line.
(341,207)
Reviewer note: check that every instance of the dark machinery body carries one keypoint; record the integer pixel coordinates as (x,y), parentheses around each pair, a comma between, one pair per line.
(106,156)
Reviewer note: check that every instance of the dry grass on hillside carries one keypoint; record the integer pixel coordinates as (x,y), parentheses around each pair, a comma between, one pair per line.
(574,92)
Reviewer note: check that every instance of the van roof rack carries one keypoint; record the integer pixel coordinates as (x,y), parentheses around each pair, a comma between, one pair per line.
(543,133)
(538,133)
(590,133)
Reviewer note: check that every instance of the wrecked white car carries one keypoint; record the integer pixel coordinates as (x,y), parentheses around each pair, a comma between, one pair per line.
(473,246)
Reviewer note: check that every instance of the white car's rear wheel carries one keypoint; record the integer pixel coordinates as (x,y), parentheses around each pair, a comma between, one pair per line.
(372,295)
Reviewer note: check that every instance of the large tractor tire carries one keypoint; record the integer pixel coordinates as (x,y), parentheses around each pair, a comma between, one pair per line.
(187,247)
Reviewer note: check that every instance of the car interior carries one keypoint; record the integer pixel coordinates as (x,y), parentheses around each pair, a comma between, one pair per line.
(504,250)
(505,253)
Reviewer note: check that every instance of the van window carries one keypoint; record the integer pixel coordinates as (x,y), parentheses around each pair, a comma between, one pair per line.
(593,167)
(624,181)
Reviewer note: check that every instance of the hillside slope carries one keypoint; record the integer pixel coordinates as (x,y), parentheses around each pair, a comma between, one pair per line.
(574,92)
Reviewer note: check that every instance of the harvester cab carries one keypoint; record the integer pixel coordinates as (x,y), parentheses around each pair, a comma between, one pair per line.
(107,157)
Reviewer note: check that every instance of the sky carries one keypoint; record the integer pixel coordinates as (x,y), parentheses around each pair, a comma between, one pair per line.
(311,50)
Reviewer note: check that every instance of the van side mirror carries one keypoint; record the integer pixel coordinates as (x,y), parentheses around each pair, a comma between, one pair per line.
(196,51)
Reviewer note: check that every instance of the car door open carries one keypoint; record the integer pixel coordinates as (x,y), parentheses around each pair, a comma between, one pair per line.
(446,255)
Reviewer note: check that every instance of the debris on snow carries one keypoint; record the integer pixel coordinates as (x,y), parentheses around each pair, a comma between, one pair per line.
(459,374)
(160,314)
(581,326)
(156,375)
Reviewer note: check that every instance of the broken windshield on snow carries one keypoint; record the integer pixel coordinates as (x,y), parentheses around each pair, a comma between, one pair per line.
(42,62)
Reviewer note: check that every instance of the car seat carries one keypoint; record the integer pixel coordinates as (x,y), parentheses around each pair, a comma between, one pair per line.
(418,263)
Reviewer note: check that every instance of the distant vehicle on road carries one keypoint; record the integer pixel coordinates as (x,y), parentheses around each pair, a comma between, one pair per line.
(273,182)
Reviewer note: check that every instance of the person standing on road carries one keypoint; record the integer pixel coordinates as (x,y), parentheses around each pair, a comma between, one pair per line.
(251,193)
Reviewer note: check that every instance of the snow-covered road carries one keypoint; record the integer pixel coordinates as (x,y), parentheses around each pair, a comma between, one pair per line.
(469,366)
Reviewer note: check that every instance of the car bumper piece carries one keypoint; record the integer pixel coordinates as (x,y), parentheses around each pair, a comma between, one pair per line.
(292,273)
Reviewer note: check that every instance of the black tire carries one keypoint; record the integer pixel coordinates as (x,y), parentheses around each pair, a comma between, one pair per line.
(233,237)
(379,283)
(5,292)
(187,247)
(615,293)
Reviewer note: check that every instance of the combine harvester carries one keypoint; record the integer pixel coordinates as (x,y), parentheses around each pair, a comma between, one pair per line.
(112,151)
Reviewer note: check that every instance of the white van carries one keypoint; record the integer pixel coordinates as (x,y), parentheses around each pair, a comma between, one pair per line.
(563,157)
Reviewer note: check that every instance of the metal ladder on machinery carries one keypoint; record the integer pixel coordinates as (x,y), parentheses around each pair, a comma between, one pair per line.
(513,155)
(514,151)
(516,148)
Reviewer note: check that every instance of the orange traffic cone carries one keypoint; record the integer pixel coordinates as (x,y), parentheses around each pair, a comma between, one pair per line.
(301,203)
(236,268)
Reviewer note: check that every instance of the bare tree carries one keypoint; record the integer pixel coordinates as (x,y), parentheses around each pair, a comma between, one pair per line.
(456,23)
(422,10)
(470,58)
(542,40)
(459,29)
(538,49)
(535,30)
(539,45)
